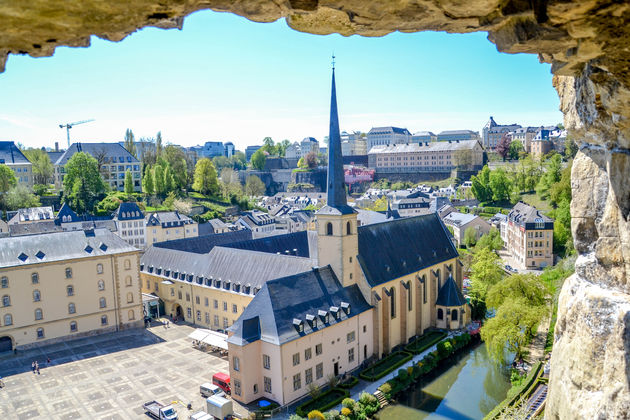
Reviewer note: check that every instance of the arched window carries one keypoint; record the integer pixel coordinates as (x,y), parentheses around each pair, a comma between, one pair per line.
(68,273)
(131,315)
(4,282)
(101,285)
(128,281)
(36,296)
(348,228)
(127,264)
(99,268)
(70,290)
(104,320)
(454,314)
(329,230)
(438,274)
(73,326)
(6,300)
(40,333)
(71,308)
(440,314)
(38,314)
(102,303)
(129,297)
(8,319)
(34,278)
(392,303)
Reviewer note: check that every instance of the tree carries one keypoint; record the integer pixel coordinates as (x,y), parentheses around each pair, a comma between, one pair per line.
(491,240)
(20,197)
(7,181)
(147,181)
(470,237)
(239,161)
(500,185)
(169,180)
(43,169)
(486,271)
(254,186)
(481,185)
(158,180)
(282,147)
(570,147)
(158,145)
(379,205)
(128,183)
(302,164)
(269,146)
(561,191)
(258,159)
(516,147)
(83,183)
(205,178)
(503,147)
(221,162)
(175,157)
(130,143)
(552,174)
(311,160)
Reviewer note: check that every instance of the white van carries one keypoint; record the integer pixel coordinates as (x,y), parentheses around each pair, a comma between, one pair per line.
(209,389)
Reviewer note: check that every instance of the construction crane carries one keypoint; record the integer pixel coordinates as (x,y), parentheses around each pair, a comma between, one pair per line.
(68,126)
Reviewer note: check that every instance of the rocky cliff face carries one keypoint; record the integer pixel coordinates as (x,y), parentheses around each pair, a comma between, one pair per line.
(586,41)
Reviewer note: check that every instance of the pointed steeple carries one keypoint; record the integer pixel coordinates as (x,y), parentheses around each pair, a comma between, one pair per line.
(336,182)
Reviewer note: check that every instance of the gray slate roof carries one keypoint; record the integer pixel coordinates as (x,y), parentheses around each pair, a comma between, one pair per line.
(165,217)
(31,214)
(449,294)
(399,247)
(108,150)
(270,315)
(525,215)
(205,244)
(128,211)
(459,219)
(301,244)
(439,146)
(46,226)
(227,264)
(11,155)
(59,246)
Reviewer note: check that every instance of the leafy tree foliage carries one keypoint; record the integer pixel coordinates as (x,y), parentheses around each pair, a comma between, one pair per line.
(169,179)
(470,237)
(21,197)
(128,182)
(481,185)
(254,186)
(82,184)
(43,169)
(175,158)
(491,240)
(147,181)
(552,175)
(7,181)
(500,185)
(503,147)
(379,205)
(130,143)
(526,174)
(486,271)
(258,159)
(311,160)
(205,179)
(158,180)
(516,147)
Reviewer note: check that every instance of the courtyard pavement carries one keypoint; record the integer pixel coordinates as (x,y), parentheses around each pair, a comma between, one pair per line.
(109,376)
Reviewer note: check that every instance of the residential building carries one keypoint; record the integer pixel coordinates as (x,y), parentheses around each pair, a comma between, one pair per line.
(129,221)
(441,156)
(423,137)
(499,221)
(168,226)
(67,219)
(461,222)
(32,215)
(228,149)
(353,144)
(492,132)
(250,150)
(216,226)
(4,228)
(541,143)
(457,135)
(558,138)
(384,136)
(65,285)
(143,147)
(11,156)
(211,149)
(113,162)
(529,237)
(525,135)
(299,150)
(409,203)
(261,224)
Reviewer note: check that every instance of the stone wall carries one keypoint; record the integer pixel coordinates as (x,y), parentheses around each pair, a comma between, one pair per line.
(586,42)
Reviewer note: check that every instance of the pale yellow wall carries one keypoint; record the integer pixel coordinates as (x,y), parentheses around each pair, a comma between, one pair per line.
(159,234)
(447,321)
(54,299)
(520,244)
(339,250)
(170,295)
(25,176)
(334,349)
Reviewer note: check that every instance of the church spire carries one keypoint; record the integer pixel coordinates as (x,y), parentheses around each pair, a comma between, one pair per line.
(336,183)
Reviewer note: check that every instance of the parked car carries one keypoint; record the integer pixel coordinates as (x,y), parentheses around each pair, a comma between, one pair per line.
(222,380)
(160,411)
(208,389)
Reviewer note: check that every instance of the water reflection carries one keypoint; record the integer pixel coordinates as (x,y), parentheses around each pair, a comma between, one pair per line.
(467,390)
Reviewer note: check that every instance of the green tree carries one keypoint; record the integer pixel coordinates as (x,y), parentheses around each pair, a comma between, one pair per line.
(302,164)
(158,180)
(177,160)
(269,146)
(43,169)
(158,145)
(500,185)
(561,191)
(147,181)
(239,161)
(221,162)
(254,186)
(516,147)
(7,181)
(82,184)
(205,178)
(486,271)
(169,180)
(128,183)
(258,159)
(130,143)
(481,185)
(282,147)
(20,197)
(491,240)
(552,174)
(379,205)
(470,237)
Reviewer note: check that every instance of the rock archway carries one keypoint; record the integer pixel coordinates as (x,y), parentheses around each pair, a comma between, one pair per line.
(586,42)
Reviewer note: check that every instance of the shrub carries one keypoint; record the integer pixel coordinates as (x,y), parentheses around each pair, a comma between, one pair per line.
(296,417)
(331,415)
(386,389)
(325,401)
(348,403)
(346,411)
(385,365)
(316,415)
(444,349)
(349,383)
(313,390)
(403,375)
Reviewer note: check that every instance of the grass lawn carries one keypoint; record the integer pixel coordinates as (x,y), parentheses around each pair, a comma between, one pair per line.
(425,341)
(533,200)
(385,365)
(159,208)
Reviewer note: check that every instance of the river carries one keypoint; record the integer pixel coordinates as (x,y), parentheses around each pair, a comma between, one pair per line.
(470,389)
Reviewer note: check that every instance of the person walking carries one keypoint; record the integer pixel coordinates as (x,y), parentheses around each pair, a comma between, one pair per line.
(33,366)
(37,366)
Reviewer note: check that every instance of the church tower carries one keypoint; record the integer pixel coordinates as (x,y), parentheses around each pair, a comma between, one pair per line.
(337,239)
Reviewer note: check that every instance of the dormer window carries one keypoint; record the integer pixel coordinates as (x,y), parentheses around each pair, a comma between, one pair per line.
(217,283)
(345,307)
(312,320)
(298,324)
(334,310)
(323,315)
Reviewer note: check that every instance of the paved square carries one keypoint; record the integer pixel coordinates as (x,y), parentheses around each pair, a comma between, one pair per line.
(108,376)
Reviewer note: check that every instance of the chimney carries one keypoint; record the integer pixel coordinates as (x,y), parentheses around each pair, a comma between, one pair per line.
(56,146)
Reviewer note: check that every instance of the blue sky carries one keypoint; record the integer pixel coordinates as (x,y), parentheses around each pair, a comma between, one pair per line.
(226,78)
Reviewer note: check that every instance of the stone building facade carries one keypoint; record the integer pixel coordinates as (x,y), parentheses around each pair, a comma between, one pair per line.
(529,237)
